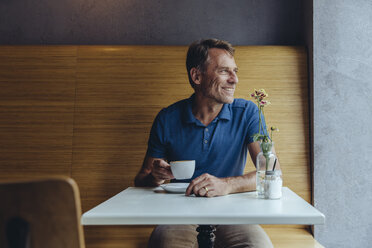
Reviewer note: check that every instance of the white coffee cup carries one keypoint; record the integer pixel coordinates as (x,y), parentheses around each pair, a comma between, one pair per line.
(183,169)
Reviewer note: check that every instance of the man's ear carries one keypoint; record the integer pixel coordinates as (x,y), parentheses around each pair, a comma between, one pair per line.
(195,76)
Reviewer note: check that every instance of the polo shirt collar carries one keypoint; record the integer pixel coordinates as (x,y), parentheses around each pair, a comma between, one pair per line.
(225,113)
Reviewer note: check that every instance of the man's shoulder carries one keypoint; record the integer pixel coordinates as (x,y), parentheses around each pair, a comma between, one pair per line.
(242,103)
(177,106)
(174,108)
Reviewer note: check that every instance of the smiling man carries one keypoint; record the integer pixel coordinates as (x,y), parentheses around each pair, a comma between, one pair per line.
(214,129)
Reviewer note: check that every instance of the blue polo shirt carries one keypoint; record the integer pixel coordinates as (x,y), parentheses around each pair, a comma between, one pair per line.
(219,149)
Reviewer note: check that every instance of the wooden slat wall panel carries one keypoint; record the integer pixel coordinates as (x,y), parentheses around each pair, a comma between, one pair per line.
(86,111)
(282,72)
(119,92)
(36,110)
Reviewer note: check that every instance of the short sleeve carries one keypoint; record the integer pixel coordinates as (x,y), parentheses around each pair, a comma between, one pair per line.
(156,144)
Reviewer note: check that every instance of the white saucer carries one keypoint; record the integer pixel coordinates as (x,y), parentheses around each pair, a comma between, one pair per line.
(175,187)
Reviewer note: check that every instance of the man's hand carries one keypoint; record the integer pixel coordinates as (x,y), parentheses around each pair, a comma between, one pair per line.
(208,186)
(161,170)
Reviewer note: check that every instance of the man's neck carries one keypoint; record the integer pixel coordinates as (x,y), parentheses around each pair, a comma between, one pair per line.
(205,109)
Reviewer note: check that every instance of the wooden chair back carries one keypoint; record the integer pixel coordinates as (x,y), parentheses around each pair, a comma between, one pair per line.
(41,213)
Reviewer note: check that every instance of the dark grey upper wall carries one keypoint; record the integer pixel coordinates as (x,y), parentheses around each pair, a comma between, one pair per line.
(160,22)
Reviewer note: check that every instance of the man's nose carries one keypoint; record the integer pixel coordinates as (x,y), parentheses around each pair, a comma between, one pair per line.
(233,79)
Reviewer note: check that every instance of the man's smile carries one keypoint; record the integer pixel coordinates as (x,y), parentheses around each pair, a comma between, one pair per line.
(229,89)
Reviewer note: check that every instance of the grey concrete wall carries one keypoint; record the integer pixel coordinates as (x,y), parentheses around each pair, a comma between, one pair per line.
(155,22)
(342,121)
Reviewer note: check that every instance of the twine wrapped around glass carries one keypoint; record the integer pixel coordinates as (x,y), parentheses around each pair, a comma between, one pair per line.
(264,162)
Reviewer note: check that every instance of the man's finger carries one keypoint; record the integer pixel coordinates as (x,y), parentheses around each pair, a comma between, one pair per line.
(195,185)
(161,164)
(199,179)
(204,190)
(163,171)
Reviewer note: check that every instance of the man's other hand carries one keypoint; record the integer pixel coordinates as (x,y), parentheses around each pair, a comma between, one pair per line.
(208,186)
(161,170)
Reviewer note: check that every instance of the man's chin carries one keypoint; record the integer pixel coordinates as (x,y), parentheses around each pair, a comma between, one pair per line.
(222,99)
(228,100)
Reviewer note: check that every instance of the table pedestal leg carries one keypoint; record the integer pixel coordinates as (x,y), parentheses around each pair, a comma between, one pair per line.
(206,236)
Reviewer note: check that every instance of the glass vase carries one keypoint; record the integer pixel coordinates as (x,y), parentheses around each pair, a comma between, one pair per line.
(264,162)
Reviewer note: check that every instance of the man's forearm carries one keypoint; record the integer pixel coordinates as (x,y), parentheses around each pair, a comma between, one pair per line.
(243,183)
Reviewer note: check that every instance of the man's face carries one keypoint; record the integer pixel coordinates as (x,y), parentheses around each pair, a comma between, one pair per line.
(219,79)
